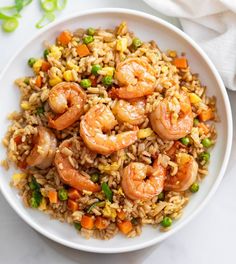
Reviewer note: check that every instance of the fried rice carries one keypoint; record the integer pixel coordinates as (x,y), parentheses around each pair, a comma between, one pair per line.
(108,48)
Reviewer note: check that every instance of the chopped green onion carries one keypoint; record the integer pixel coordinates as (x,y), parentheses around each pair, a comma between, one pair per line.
(45,53)
(88,39)
(48,5)
(96,204)
(61,4)
(45,20)
(77,226)
(34,185)
(134,221)
(10,24)
(195,122)
(26,81)
(107,191)
(161,196)
(204,156)
(36,199)
(63,194)
(40,110)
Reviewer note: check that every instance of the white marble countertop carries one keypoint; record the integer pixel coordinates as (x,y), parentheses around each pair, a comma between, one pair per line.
(209,238)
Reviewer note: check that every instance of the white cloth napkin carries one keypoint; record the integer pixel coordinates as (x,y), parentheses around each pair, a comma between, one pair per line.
(212,24)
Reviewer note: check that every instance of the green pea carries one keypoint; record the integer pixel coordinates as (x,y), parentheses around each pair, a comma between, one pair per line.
(31,62)
(40,110)
(161,196)
(194,187)
(45,53)
(134,221)
(204,156)
(95,69)
(107,80)
(185,141)
(88,39)
(137,43)
(85,83)
(206,142)
(26,81)
(77,226)
(166,222)
(195,122)
(63,194)
(94,177)
(90,31)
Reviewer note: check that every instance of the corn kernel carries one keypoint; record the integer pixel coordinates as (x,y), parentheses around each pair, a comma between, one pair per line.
(43,205)
(17,177)
(121,44)
(172,53)
(55,52)
(164,69)
(194,99)
(67,75)
(144,133)
(108,71)
(72,66)
(37,66)
(25,105)
(55,81)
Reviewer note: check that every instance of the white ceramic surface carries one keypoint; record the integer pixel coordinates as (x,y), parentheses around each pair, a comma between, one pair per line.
(167,36)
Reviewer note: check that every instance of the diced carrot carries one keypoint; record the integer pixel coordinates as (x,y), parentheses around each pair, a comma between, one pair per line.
(101,223)
(125,227)
(64,38)
(174,148)
(204,128)
(18,139)
(83,50)
(45,66)
(38,81)
(181,63)
(87,222)
(22,164)
(206,115)
(52,195)
(121,215)
(73,194)
(72,205)
(93,80)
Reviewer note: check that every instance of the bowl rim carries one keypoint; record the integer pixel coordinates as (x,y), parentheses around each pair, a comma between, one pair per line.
(221,173)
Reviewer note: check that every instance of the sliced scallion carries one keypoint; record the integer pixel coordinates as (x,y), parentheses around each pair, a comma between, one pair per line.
(45,20)
(10,24)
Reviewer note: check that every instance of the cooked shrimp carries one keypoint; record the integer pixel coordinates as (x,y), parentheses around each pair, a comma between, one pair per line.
(100,119)
(186,175)
(130,112)
(44,149)
(69,175)
(173,124)
(136,78)
(67,99)
(140,181)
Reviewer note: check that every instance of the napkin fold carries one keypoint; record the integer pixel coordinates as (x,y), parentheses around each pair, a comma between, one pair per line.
(212,24)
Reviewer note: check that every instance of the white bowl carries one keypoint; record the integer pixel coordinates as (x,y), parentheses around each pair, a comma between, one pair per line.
(147,27)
